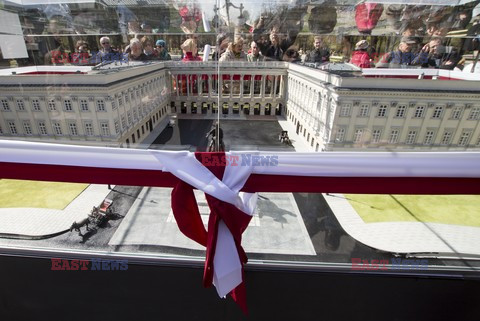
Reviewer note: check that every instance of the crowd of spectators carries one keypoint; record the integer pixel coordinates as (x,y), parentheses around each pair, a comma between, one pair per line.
(412,36)
(139,48)
(267,41)
(410,53)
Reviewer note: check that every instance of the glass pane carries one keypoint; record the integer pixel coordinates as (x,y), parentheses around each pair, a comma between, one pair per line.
(276,76)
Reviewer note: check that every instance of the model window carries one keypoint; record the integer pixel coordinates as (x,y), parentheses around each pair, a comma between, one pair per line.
(419,111)
(411,137)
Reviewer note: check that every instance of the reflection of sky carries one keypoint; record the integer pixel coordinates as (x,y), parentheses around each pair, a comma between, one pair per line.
(45,2)
(254,7)
(423,2)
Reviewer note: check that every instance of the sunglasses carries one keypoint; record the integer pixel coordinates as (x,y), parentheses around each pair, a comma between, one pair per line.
(105,43)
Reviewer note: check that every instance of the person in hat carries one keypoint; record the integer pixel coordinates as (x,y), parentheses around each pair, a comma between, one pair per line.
(403,56)
(162,51)
(360,56)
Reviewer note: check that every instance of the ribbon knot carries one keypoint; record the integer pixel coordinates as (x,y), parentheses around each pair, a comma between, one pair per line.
(230,214)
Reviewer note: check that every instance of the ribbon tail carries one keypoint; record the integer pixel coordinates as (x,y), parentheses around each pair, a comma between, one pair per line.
(227,273)
(224,264)
(239,296)
(225,255)
(187,215)
(208,271)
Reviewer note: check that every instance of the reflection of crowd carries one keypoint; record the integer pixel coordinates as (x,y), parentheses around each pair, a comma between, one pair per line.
(416,36)
(423,36)
(139,49)
(409,53)
(91,50)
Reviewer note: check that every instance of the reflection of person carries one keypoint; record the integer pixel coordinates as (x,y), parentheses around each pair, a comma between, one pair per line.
(472,42)
(57,55)
(106,46)
(234,51)
(136,51)
(274,51)
(81,46)
(213,131)
(439,21)
(146,28)
(255,54)
(212,146)
(402,56)
(221,46)
(189,48)
(148,50)
(54,47)
(194,37)
(57,25)
(133,26)
(438,57)
(394,14)
(81,55)
(319,54)
(274,34)
(436,30)
(106,52)
(360,56)
(162,52)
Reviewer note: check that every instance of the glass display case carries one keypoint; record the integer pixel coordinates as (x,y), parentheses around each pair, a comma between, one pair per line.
(354,125)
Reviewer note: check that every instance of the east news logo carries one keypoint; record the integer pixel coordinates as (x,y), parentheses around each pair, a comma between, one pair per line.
(239,160)
(91,265)
(359,264)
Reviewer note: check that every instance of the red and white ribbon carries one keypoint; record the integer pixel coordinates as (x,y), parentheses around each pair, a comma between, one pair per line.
(347,172)
(231,211)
